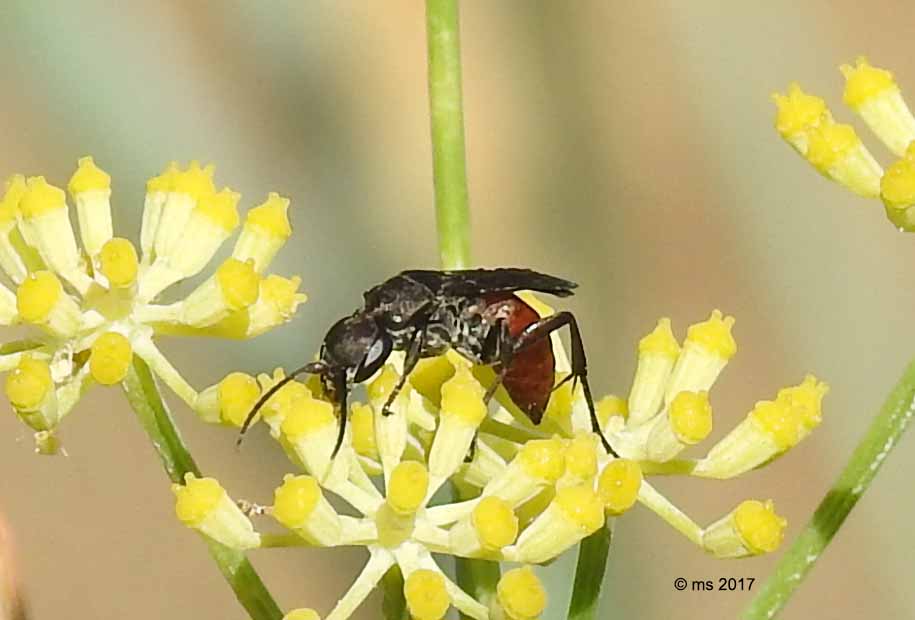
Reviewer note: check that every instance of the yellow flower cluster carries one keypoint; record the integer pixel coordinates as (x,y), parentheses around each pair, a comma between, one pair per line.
(836,151)
(535,490)
(93,303)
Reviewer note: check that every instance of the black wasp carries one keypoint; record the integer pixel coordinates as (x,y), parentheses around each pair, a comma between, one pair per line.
(475,312)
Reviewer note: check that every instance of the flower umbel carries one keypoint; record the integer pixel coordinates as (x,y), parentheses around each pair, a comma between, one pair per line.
(94,303)
(535,490)
(835,150)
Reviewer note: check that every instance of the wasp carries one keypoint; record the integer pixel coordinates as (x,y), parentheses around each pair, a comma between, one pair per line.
(476,312)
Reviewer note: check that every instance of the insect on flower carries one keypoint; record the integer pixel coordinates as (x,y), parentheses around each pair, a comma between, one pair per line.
(475,312)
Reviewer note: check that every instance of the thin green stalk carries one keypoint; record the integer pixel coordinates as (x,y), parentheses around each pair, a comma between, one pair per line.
(156,420)
(394,604)
(446,108)
(882,436)
(589,574)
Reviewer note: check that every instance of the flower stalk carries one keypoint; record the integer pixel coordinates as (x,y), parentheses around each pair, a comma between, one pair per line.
(589,574)
(156,420)
(882,436)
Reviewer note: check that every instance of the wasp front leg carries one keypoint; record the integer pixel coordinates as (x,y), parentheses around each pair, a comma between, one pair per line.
(412,357)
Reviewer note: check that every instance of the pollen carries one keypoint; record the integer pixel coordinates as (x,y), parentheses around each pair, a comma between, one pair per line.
(759,526)
(798,112)
(118,262)
(14,190)
(307,416)
(691,416)
(37,296)
(110,357)
(237,393)
(777,421)
(407,487)
(29,384)
(661,341)
(295,500)
(238,282)
(543,459)
(427,598)
(618,485)
(521,594)
(197,499)
(41,198)
(581,506)
(362,423)
(88,177)
(196,182)
(495,523)
(220,208)
(462,396)
(863,82)
(714,335)
(271,216)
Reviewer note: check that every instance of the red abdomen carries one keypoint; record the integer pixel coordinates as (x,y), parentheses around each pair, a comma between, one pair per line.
(529,379)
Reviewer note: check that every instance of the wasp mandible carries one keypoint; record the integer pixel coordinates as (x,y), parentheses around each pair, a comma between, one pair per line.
(475,312)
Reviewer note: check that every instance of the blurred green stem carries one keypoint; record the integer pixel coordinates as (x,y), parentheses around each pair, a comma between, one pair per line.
(156,420)
(882,436)
(446,108)
(394,604)
(589,574)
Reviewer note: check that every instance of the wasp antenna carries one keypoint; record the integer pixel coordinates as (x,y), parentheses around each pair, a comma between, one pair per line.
(311,367)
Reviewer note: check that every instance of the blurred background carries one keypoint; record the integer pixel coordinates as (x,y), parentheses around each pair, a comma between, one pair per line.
(628,146)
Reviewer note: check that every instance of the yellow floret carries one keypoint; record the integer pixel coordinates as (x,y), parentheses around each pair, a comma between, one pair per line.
(864,82)
(307,416)
(430,375)
(407,487)
(520,594)
(237,394)
(88,177)
(41,198)
(610,406)
(542,459)
(281,293)
(462,396)
(196,182)
(197,499)
(110,358)
(164,182)
(495,523)
(239,283)
(427,598)
(661,341)
(118,262)
(362,424)
(303,613)
(37,296)
(618,485)
(29,383)
(830,143)
(220,208)
(581,456)
(714,335)
(581,506)
(271,216)
(295,500)
(777,421)
(14,190)
(691,416)
(381,386)
(797,111)
(805,400)
(759,526)
(897,186)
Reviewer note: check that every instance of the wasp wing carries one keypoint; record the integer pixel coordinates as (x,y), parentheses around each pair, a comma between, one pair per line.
(467,282)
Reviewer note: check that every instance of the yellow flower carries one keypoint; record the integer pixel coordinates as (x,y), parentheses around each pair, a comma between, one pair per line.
(94,302)
(836,151)
(534,491)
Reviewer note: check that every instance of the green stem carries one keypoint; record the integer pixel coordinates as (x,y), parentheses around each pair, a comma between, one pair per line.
(156,420)
(589,574)
(448,161)
(394,604)
(883,434)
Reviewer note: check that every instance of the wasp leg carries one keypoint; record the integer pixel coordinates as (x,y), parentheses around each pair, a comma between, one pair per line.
(341,394)
(409,363)
(503,345)
(472,450)
(542,329)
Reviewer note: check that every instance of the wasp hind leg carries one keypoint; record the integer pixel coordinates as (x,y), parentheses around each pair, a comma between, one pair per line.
(542,329)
